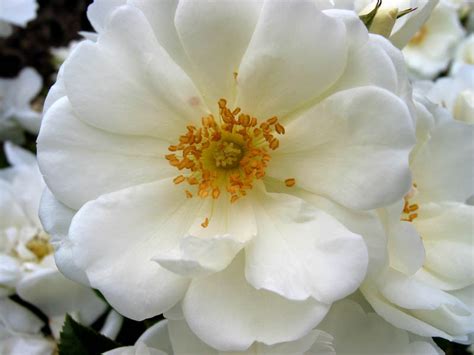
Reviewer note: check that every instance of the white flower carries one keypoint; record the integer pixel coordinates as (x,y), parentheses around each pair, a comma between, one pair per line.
(455,93)
(429,52)
(16,113)
(16,12)
(427,287)
(20,331)
(233,230)
(464,54)
(27,264)
(346,330)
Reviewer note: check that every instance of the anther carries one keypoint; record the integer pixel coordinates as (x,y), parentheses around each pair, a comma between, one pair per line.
(290,182)
(179,179)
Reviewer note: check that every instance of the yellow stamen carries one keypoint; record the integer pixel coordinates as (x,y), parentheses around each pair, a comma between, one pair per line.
(226,155)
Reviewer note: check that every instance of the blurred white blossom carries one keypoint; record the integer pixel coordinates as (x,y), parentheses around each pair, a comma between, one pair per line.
(27,264)
(16,113)
(455,93)
(431,49)
(20,331)
(428,283)
(17,13)
(464,54)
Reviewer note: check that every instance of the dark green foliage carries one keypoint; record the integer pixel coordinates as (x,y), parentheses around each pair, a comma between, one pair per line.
(77,339)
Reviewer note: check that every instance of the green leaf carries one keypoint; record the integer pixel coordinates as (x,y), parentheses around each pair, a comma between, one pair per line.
(76,339)
(368,18)
(406,12)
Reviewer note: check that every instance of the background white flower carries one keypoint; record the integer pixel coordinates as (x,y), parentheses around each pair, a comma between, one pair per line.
(20,331)
(16,12)
(455,93)
(27,264)
(427,285)
(16,113)
(430,50)
(464,54)
(109,160)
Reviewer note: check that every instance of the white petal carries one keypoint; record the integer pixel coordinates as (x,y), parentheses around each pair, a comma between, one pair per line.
(447,235)
(358,332)
(368,64)
(56,219)
(443,167)
(399,317)
(94,161)
(184,341)
(405,246)
(351,151)
(157,336)
(116,237)
(55,295)
(406,28)
(27,344)
(139,349)
(215,35)
(99,12)
(9,271)
(365,223)
(407,292)
(301,252)
(228,314)
(197,256)
(112,325)
(287,66)
(129,84)
(211,249)
(18,156)
(18,319)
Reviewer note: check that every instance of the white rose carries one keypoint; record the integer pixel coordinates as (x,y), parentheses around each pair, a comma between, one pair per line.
(431,49)
(427,286)
(26,254)
(455,93)
(20,331)
(246,242)
(464,54)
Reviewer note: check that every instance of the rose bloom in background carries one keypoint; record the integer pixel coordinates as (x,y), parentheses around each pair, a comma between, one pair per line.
(27,265)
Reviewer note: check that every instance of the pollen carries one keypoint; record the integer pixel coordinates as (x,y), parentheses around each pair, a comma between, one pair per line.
(225,156)
(290,182)
(409,213)
(419,37)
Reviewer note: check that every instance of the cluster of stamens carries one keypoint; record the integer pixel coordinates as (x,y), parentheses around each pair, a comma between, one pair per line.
(410,209)
(40,246)
(227,154)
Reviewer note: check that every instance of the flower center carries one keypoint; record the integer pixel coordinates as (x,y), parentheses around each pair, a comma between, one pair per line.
(410,209)
(40,246)
(227,155)
(419,37)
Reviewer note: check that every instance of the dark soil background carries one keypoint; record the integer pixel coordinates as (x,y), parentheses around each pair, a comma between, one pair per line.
(57,24)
